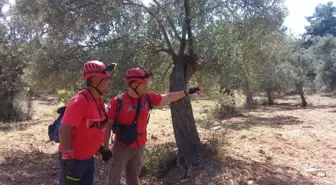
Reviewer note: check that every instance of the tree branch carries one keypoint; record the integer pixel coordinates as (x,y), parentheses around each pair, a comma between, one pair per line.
(183,42)
(188,27)
(155,52)
(164,74)
(158,20)
(170,21)
(157,49)
(206,10)
(162,50)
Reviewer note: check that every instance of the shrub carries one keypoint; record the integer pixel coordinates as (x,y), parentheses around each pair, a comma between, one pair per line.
(65,95)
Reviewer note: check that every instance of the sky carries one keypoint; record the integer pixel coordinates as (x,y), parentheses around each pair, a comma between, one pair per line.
(297,11)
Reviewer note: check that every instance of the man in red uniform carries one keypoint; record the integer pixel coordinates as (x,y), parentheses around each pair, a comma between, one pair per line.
(130,126)
(83,126)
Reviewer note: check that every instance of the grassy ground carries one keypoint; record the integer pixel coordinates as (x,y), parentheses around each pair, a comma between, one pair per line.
(267,145)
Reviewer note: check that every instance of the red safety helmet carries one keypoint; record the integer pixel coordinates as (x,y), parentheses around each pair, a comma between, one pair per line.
(97,68)
(138,75)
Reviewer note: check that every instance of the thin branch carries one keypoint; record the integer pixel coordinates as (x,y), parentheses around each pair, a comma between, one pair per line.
(155,53)
(157,49)
(164,74)
(206,10)
(188,26)
(159,21)
(163,50)
(149,40)
(170,21)
(183,42)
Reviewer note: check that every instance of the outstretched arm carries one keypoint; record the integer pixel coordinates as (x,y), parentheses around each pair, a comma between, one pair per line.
(174,96)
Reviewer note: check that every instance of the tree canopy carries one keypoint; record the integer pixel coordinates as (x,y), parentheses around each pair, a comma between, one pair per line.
(323,21)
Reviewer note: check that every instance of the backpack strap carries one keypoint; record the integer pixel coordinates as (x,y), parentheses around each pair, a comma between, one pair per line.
(101,103)
(150,106)
(61,109)
(138,108)
(84,96)
(149,102)
(135,121)
(119,104)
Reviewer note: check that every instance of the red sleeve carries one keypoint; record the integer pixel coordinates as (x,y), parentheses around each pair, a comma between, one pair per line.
(155,98)
(75,110)
(112,108)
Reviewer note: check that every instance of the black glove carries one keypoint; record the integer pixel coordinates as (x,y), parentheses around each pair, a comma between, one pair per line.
(71,179)
(101,150)
(106,155)
(193,90)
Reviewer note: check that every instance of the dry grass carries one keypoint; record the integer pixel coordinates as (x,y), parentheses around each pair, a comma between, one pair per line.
(268,145)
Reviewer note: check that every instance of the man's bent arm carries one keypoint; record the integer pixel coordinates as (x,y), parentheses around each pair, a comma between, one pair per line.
(108,129)
(65,136)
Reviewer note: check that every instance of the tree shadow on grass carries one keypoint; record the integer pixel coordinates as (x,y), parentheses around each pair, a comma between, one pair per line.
(247,122)
(215,167)
(37,167)
(272,122)
(287,107)
(232,170)
(218,168)
(29,168)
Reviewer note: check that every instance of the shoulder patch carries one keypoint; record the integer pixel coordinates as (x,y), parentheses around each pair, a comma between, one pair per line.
(108,107)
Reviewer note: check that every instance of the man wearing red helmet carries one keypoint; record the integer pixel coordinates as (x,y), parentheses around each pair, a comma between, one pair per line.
(130,125)
(83,126)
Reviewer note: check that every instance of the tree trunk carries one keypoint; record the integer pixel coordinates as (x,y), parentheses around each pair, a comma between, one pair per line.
(303,99)
(301,93)
(7,111)
(313,87)
(30,103)
(185,131)
(249,96)
(270,97)
(233,99)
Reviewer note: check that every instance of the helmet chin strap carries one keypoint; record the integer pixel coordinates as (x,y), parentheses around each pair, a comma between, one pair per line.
(135,89)
(96,88)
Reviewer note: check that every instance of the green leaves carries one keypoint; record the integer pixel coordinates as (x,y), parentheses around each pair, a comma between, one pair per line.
(323,52)
(323,21)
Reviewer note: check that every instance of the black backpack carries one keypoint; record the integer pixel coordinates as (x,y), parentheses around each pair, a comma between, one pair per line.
(129,133)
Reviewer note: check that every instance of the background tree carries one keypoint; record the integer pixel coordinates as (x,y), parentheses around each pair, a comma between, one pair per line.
(323,52)
(299,64)
(323,21)
(12,64)
(164,36)
(319,43)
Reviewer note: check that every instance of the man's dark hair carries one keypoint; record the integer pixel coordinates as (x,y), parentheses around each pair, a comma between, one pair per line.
(131,82)
(89,82)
